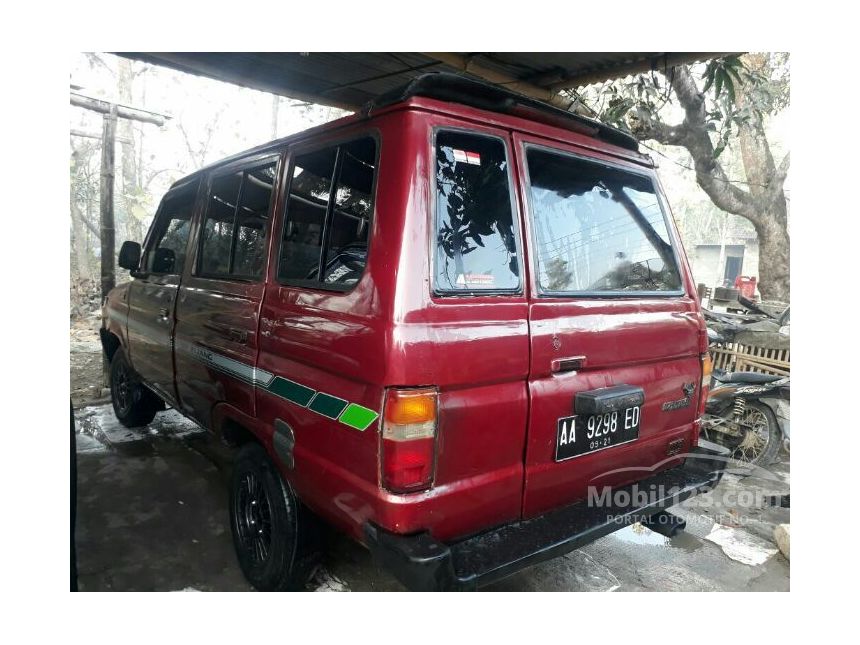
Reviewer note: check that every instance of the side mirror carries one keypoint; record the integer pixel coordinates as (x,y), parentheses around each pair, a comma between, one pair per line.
(129,256)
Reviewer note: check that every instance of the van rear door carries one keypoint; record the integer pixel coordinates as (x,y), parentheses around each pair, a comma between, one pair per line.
(615,364)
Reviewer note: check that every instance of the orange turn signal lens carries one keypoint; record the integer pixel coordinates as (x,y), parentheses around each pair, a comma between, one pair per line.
(407,407)
(707,369)
(704,390)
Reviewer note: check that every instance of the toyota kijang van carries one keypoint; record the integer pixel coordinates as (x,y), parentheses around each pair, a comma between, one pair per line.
(457,325)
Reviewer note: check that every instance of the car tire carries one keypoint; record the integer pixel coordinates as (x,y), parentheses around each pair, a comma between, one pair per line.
(276,538)
(133,403)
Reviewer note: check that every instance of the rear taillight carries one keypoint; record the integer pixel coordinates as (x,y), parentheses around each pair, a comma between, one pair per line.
(409,439)
(707,368)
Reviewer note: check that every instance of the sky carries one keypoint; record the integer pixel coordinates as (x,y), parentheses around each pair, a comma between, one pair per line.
(239,118)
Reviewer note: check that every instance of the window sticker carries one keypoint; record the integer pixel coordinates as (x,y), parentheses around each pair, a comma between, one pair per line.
(476,279)
(467,157)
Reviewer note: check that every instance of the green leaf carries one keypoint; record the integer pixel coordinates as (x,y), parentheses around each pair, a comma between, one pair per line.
(733,71)
(730,87)
(709,76)
(718,83)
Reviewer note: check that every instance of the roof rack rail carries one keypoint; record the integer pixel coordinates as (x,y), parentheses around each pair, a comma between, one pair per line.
(445,86)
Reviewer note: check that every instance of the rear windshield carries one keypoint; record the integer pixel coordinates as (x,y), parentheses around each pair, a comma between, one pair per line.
(599,229)
(476,247)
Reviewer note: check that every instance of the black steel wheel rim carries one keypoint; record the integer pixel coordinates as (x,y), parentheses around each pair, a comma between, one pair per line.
(122,388)
(253,517)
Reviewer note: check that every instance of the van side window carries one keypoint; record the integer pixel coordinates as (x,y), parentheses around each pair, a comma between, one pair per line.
(328,216)
(217,237)
(598,228)
(166,254)
(306,214)
(233,239)
(476,243)
(249,254)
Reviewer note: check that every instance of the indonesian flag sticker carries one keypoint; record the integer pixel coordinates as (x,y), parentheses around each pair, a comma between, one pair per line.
(467,157)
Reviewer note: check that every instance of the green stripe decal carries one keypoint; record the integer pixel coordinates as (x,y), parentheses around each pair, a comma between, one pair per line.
(291,391)
(327,405)
(330,406)
(358,417)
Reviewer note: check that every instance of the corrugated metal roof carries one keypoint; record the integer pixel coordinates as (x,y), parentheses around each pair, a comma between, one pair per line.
(351,79)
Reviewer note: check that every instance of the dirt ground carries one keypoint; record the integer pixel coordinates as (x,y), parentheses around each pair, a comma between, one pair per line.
(86,361)
(152,515)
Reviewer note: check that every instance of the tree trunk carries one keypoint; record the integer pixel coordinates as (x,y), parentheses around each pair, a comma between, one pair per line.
(773,258)
(108,236)
(276,104)
(130,186)
(79,238)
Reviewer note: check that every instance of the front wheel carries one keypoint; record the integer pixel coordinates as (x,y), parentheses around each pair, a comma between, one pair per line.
(275,537)
(133,404)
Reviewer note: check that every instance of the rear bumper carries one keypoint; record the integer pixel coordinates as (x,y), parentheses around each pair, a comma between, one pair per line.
(422,563)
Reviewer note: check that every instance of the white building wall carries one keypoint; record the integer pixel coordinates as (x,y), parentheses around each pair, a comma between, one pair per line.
(706,265)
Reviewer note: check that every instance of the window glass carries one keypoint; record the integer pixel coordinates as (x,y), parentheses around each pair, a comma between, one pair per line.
(475,240)
(329,219)
(170,239)
(216,240)
(598,229)
(252,221)
(350,221)
(306,212)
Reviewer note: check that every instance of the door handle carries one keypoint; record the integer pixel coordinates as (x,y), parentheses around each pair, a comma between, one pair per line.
(163,313)
(568,364)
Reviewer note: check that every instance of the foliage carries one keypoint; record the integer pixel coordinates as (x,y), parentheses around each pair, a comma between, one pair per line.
(718,112)
(645,97)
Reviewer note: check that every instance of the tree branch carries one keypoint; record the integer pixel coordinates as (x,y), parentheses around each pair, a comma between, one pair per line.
(668,135)
(709,173)
(87,223)
(781,173)
(693,135)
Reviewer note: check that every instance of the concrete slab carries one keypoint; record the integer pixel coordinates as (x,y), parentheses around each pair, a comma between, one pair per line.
(152,515)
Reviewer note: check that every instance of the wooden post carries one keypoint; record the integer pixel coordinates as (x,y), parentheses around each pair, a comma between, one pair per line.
(107,233)
(107,229)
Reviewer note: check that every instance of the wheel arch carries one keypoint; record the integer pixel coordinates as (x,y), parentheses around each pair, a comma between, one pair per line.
(111,342)
(237,428)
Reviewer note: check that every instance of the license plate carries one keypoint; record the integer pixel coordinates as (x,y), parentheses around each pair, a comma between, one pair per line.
(581,434)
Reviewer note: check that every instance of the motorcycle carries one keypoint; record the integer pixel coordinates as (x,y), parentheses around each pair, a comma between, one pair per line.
(748,413)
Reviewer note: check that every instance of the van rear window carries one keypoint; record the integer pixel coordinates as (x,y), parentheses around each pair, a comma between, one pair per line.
(599,229)
(476,247)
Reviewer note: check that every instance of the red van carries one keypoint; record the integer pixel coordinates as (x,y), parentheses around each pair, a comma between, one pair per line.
(458,326)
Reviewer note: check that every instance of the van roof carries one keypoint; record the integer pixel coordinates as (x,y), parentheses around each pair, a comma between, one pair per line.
(494,98)
(443,86)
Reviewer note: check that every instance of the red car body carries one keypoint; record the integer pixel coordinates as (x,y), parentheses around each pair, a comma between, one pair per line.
(238,356)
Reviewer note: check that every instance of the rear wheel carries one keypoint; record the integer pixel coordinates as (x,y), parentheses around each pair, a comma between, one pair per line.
(133,404)
(760,435)
(276,538)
